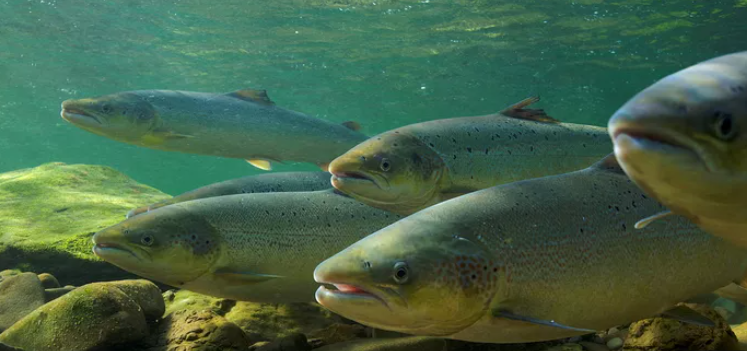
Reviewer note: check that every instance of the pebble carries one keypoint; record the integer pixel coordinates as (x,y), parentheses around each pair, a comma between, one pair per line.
(614,343)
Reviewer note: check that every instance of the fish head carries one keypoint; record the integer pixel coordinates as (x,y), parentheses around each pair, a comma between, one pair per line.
(394,169)
(683,140)
(123,116)
(169,244)
(404,279)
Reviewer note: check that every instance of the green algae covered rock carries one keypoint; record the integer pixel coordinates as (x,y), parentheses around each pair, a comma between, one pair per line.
(49,213)
(89,317)
(19,295)
(260,321)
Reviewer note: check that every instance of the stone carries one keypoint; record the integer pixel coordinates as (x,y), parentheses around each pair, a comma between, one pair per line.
(20,294)
(49,214)
(591,346)
(410,343)
(664,334)
(4,347)
(145,293)
(614,343)
(292,342)
(89,317)
(566,347)
(198,331)
(48,281)
(337,333)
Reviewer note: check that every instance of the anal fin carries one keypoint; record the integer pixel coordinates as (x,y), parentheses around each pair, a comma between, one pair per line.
(688,315)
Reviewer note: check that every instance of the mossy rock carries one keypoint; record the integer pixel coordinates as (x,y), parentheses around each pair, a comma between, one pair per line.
(49,213)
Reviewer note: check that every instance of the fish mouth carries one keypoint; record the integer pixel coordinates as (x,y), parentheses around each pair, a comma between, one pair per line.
(108,250)
(73,115)
(352,178)
(346,292)
(659,141)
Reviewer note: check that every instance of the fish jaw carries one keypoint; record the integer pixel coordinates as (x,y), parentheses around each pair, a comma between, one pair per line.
(74,112)
(112,246)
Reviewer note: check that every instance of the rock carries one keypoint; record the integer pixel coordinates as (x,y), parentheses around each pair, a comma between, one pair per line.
(337,333)
(50,212)
(566,347)
(614,343)
(51,294)
(91,316)
(410,343)
(664,334)
(198,331)
(260,321)
(591,346)
(4,347)
(145,293)
(293,342)
(48,281)
(19,295)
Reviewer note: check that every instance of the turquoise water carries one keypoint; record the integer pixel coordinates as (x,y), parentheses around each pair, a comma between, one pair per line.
(381,63)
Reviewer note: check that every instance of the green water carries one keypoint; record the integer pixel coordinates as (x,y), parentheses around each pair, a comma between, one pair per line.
(382,63)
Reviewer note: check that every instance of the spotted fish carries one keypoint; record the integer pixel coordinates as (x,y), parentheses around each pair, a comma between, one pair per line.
(242,124)
(409,168)
(262,183)
(683,140)
(255,247)
(533,260)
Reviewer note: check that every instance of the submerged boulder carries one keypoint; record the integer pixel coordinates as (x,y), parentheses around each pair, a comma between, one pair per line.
(197,331)
(89,317)
(19,295)
(664,334)
(49,214)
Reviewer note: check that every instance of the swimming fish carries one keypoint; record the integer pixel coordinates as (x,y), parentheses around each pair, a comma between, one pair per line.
(407,169)
(533,260)
(262,183)
(243,124)
(255,247)
(683,140)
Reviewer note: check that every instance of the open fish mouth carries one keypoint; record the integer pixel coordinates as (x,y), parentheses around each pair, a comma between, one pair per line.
(343,178)
(74,115)
(347,292)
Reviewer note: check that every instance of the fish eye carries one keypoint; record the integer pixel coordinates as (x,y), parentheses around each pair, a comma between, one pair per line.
(147,240)
(385,165)
(723,126)
(401,273)
(106,108)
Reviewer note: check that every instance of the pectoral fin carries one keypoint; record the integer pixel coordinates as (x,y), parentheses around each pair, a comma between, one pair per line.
(245,277)
(261,164)
(550,323)
(160,136)
(688,315)
(646,221)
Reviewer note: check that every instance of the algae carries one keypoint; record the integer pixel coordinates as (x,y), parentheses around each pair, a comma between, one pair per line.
(49,213)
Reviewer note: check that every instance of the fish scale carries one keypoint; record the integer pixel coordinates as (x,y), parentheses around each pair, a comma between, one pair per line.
(566,252)
(266,244)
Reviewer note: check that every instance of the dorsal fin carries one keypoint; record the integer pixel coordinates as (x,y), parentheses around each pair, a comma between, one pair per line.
(609,163)
(517,110)
(352,125)
(252,95)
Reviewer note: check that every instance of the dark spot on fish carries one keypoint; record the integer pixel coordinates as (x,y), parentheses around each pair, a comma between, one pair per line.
(546,138)
(431,144)
(531,148)
(485,268)
(395,145)
(194,237)
(469,134)
(486,151)
(509,152)
(617,209)
(61,209)
(416,158)
(495,269)
(396,132)
(625,227)
(581,230)
(474,276)
(453,140)
(267,212)
(469,149)
(477,130)
(455,157)
(583,145)
(282,214)
(379,138)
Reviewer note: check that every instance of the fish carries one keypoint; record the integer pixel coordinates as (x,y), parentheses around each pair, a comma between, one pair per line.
(412,167)
(533,260)
(243,124)
(683,140)
(250,247)
(262,183)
